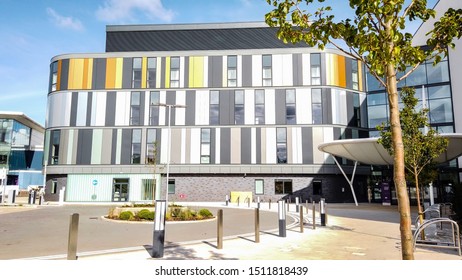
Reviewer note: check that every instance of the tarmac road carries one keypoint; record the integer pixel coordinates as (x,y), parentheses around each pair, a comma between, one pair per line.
(43,231)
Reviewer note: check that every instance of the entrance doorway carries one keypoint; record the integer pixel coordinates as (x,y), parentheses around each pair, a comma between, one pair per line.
(120,189)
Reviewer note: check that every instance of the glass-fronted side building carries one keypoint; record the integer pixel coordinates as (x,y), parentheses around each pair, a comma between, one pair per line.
(21,150)
(248,113)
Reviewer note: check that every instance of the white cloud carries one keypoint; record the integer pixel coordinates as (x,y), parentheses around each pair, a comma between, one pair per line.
(64,22)
(121,10)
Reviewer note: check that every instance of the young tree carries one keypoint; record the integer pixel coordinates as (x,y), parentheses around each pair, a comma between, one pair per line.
(377,37)
(422,145)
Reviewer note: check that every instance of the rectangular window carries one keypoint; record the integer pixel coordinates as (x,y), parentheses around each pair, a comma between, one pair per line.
(259,106)
(174,72)
(205,145)
(290,107)
(214,107)
(154,100)
(356,110)
(54,186)
(316,105)
(171,186)
(281,144)
(283,186)
(239,107)
(55,139)
(267,65)
(355,75)
(315,61)
(232,71)
(151,146)
(259,186)
(54,75)
(136,146)
(317,187)
(152,72)
(136,72)
(135,114)
(148,189)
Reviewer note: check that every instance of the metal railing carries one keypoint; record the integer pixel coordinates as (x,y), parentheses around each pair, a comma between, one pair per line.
(454,244)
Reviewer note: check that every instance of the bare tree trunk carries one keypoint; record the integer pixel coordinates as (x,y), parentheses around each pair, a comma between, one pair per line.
(419,206)
(407,250)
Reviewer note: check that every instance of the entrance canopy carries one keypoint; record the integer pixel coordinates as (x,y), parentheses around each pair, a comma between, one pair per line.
(368,151)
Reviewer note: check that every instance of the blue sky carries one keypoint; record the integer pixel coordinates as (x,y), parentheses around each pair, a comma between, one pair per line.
(32,32)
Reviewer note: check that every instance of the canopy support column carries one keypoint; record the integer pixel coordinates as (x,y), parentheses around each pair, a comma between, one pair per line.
(350,182)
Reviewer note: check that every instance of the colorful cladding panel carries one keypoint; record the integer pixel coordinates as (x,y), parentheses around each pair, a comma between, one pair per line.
(80,73)
(196,71)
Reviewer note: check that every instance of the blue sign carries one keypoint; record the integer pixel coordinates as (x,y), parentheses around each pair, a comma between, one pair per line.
(94,182)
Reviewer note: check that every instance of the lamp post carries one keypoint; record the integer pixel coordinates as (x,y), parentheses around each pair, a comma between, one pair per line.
(162,205)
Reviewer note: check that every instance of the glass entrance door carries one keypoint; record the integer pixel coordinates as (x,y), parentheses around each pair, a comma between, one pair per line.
(120,189)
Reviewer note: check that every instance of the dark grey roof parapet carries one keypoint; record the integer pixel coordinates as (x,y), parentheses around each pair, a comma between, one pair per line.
(191,37)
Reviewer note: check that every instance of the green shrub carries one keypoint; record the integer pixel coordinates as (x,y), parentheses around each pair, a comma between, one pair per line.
(175,212)
(126,215)
(145,214)
(185,215)
(205,213)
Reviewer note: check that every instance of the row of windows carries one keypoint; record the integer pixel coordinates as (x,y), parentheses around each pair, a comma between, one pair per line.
(239,107)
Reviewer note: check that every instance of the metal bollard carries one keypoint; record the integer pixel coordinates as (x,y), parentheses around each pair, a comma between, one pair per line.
(301,218)
(314,215)
(73,234)
(269,204)
(288,204)
(282,219)
(258,202)
(159,229)
(257,225)
(248,202)
(238,200)
(322,211)
(226,200)
(220,229)
(297,204)
(306,207)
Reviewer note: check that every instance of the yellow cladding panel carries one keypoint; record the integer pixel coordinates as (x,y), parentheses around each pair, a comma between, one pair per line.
(87,73)
(119,71)
(196,71)
(58,79)
(144,69)
(76,67)
(110,72)
(360,75)
(341,71)
(167,72)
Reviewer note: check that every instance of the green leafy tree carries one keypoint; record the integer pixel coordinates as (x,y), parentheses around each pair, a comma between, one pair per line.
(376,36)
(422,145)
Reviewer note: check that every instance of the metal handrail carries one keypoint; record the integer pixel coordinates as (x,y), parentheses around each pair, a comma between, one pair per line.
(455,234)
(433,208)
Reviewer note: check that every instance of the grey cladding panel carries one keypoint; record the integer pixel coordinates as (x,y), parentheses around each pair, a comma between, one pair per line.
(326,106)
(246,70)
(297,69)
(99,73)
(171,99)
(215,71)
(307,144)
(64,74)
(74,102)
(280,106)
(127,72)
(190,107)
(89,105)
(126,152)
(225,151)
(85,138)
(246,145)
(114,146)
(226,107)
(258,146)
(110,108)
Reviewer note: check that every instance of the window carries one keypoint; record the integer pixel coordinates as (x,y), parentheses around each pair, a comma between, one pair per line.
(281,144)
(259,106)
(148,189)
(317,187)
(283,186)
(135,115)
(136,146)
(316,105)
(171,186)
(136,76)
(214,107)
(55,139)
(205,145)
(154,100)
(54,76)
(54,186)
(356,110)
(438,73)
(354,75)
(267,70)
(6,131)
(232,71)
(377,115)
(315,61)
(152,72)
(239,107)
(259,186)
(290,107)
(151,146)
(3,159)
(174,72)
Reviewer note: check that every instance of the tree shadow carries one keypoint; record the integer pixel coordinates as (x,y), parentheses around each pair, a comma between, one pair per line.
(178,252)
